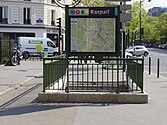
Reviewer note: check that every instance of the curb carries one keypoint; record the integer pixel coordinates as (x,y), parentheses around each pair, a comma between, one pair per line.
(86,97)
(1,65)
(19,84)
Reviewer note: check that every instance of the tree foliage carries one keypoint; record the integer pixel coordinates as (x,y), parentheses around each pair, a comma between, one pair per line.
(96,3)
(162,25)
(93,3)
(155,27)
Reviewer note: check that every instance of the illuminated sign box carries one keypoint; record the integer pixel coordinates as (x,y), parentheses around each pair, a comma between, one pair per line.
(93,30)
(94,12)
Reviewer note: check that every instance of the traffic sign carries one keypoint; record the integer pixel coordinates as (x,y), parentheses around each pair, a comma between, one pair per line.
(125,7)
(125,17)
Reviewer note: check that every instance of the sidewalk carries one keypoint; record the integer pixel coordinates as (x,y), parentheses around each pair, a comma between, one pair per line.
(152,113)
(14,76)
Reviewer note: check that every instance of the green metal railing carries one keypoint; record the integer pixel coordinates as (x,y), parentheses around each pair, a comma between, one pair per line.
(135,69)
(85,74)
(54,71)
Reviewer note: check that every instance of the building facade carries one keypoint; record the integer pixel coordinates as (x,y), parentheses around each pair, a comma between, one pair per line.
(36,18)
(157,11)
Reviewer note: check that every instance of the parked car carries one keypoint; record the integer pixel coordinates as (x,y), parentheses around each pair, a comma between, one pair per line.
(159,46)
(165,46)
(127,54)
(138,51)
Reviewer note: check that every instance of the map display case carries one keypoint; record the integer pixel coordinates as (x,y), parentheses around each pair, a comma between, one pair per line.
(93,30)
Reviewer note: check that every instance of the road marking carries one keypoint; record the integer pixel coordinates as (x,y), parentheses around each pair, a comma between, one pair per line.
(156,75)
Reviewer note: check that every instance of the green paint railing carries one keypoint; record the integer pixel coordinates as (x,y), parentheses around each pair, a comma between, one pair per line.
(93,74)
(135,69)
(54,71)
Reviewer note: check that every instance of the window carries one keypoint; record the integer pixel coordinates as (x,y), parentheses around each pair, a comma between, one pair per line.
(137,48)
(50,44)
(53,17)
(4,14)
(26,16)
(53,1)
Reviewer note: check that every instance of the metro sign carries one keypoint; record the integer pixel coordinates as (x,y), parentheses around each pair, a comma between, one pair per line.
(79,12)
(93,12)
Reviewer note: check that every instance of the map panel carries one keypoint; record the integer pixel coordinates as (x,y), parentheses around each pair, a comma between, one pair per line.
(93,35)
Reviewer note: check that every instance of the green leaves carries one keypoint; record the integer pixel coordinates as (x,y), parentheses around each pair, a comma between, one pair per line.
(154,27)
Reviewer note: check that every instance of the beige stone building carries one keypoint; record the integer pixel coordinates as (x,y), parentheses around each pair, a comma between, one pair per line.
(30,18)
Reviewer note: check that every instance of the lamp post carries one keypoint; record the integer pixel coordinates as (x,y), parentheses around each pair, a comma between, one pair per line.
(62,4)
(140,27)
(140,22)
(0,48)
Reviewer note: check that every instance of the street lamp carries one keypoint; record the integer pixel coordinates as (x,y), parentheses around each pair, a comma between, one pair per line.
(141,30)
(62,4)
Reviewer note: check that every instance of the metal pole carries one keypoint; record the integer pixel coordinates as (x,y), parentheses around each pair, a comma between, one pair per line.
(0,50)
(141,19)
(149,65)
(140,22)
(59,36)
(158,68)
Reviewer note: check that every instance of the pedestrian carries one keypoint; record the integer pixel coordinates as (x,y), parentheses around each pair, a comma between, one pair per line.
(18,55)
(24,55)
(40,56)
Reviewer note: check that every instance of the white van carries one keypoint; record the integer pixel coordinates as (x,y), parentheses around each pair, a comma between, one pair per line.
(31,46)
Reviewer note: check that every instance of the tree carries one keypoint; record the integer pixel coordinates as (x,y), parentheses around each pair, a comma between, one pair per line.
(152,31)
(93,3)
(96,3)
(154,27)
(6,48)
(162,25)
(134,25)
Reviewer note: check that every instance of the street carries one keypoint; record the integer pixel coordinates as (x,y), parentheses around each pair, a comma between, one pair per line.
(156,54)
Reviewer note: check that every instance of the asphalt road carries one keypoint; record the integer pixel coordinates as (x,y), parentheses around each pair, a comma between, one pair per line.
(155,54)
(13,76)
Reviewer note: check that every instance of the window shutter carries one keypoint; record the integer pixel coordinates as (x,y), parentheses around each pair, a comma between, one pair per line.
(49,17)
(20,15)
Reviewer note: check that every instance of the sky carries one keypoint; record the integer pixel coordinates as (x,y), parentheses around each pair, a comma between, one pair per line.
(154,3)
(157,3)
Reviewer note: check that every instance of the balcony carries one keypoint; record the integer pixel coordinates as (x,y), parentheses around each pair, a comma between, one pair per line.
(53,23)
(4,20)
(27,21)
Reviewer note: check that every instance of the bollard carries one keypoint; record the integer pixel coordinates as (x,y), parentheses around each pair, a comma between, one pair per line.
(149,65)
(158,68)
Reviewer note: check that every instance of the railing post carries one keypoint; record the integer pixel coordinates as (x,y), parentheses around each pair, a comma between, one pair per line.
(117,76)
(142,75)
(67,87)
(43,75)
(149,65)
(158,68)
